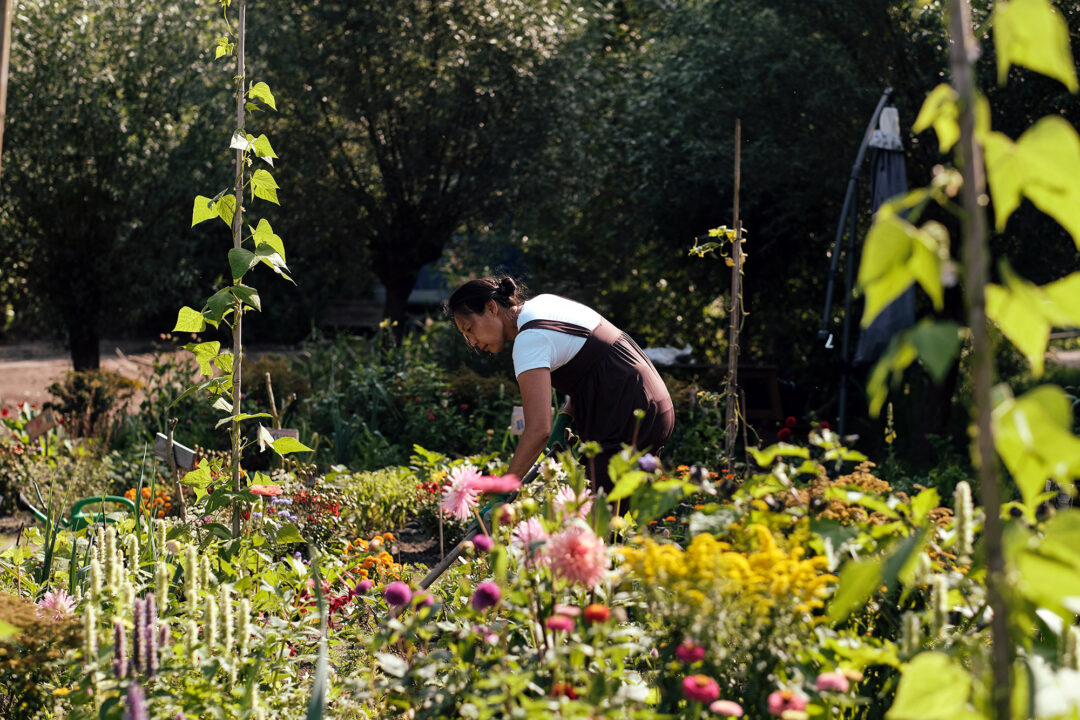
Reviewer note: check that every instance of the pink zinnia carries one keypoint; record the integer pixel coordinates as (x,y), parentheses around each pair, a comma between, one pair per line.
(783,700)
(727,707)
(266,489)
(578,555)
(486,595)
(559,622)
(832,681)
(567,610)
(397,593)
(59,603)
(458,498)
(566,501)
(526,533)
(688,652)
(495,485)
(483,543)
(700,688)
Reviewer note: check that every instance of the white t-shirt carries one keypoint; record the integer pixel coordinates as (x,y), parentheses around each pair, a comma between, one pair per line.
(551,349)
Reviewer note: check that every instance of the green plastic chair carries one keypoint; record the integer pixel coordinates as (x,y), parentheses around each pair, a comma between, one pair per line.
(79,519)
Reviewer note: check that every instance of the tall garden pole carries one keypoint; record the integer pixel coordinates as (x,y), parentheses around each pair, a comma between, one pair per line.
(238,228)
(5,55)
(963,53)
(731,429)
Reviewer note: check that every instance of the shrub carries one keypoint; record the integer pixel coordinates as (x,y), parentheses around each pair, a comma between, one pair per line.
(92,402)
(29,658)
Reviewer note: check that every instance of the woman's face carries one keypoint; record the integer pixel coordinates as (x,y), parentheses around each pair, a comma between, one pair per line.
(483,330)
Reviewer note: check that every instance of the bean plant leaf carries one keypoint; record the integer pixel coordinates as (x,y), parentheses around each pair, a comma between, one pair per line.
(226,208)
(203,209)
(765,458)
(199,479)
(204,353)
(261,91)
(189,320)
(264,186)
(239,141)
(268,256)
(289,534)
(286,445)
(858,580)
(240,261)
(264,150)
(1025,313)
(1033,436)
(940,111)
(247,295)
(218,306)
(933,686)
(263,234)
(239,418)
(935,344)
(1033,34)
(897,254)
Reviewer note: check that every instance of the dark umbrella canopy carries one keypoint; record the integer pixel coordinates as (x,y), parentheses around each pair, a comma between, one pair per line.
(888,178)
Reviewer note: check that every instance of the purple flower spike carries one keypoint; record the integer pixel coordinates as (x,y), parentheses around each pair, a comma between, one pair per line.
(151,640)
(120,659)
(136,704)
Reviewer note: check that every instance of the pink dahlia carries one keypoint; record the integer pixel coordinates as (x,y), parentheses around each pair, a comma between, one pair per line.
(781,701)
(832,681)
(559,622)
(486,595)
(700,688)
(397,593)
(58,602)
(729,708)
(528,534)
(689,652)
(578,555)
(267,490)
(458,498)
(495,485)
(566,501)
(567,610)
(483,543)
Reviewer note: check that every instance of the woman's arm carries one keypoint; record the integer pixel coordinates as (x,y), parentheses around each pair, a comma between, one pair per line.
(535,386)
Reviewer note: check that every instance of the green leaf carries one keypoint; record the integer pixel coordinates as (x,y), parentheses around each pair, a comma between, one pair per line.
(199,479)
(1004,175)
(923,503)
(940,111)
(264,186)
(218,530)
(938,345)
(858,581)
(204,353)
(239,418)
(240,261)
(224,362)
(286,445)
(261,91)
(203,209)
(765,458)
(189,320)
(223,404)
(239,141)
(264,150)
(1033,34)
(247,295)
(895,255)
(1033,436)
(932,687)
(627,484)
(268,256)
(263,234)
(1049,153)
(888,371)
(218,306)
(1025,313)
(7,630)
(226,208)
(289,534)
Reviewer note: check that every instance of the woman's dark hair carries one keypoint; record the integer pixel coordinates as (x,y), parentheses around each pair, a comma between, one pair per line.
(472,297)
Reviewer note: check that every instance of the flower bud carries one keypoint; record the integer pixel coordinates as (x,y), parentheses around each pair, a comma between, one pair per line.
(965,525)
(191,571)
(161,585)
(227,619)
(191,639)
(206,576)
(939,605)
(910,634)
(131,549)
(95,580)
(90,644)
(210,622)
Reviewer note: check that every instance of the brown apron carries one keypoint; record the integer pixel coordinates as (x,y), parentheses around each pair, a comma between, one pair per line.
(608,379)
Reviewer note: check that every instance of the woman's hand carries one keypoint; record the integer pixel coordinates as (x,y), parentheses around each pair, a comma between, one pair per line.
(535,386)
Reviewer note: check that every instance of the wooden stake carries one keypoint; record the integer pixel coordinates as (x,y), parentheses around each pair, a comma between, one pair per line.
(238,228)
(5,55)
(731,416)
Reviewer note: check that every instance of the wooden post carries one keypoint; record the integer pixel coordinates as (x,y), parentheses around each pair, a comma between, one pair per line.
(963,53)
(731,416)
(238,229)
(5,55)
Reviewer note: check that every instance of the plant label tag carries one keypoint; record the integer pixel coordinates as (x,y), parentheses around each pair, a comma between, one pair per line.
(185,456)
(517,420)
(41,423)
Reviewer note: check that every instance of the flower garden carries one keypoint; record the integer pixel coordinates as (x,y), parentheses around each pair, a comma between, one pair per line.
(295,567)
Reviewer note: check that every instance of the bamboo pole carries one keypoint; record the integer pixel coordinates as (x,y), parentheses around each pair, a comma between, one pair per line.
(238,228)
(963,53)
(5,56)
(731,429)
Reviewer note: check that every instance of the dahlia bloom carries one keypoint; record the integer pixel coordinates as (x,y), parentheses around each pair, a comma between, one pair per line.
(483,543)
(495,485)
(525,534)
(729,708)
(832,681)
(700,688)
(566,501)
(688,652)
(458,498)
(781,701)
(397,593)
(559,622)
(486,595)
(57,602)
(578,555)
(597,613)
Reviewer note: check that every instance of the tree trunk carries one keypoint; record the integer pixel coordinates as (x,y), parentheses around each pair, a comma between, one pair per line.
(399,286)
(83,341)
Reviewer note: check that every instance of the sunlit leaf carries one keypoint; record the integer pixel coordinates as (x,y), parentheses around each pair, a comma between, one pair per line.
(189,320)
(1033,34)
(895,255)
(1025,313)
(202,210)
(240,261)
(933,686)
(263,149)
(226,208)
(204,353)
(261,91)
(940,111)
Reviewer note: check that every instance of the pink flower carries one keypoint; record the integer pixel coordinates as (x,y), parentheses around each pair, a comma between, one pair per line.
(362,587)
(784,434)
(566,501)
(483,543)
(559,622)
(397,593)
(597,612)
(266,489)
(567,610)
(495,485)
(458,498)
(525,534)
(58,602)
(832,681)
(578,555)
(700,688)
(486,595)
(689,653)
(783,700)
(727,707)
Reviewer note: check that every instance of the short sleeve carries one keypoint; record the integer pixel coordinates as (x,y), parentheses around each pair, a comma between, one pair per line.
(532,349)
